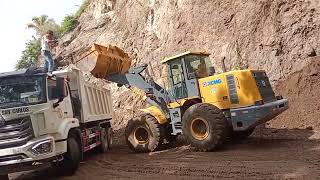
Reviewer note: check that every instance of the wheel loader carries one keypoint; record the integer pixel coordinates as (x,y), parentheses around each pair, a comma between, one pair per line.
(204,106)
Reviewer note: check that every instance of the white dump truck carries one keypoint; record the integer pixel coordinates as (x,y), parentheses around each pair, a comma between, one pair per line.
(51,120)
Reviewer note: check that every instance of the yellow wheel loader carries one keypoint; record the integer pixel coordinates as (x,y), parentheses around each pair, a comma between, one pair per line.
(204,106)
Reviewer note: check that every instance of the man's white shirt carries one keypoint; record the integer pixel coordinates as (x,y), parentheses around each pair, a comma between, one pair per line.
(45,44)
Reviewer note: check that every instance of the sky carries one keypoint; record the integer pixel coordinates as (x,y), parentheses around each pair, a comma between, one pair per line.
(15,14)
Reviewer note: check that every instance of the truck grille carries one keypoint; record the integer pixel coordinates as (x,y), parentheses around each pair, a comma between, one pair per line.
(264,86)
(16,132)
(12,157)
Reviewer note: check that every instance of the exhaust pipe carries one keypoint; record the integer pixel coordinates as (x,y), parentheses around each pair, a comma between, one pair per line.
(223,64)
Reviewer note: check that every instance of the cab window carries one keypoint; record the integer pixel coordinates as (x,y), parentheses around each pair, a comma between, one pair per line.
(198,66)
(176,71)
(52,89)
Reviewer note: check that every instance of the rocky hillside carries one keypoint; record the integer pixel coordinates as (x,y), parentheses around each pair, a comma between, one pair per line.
(279,36)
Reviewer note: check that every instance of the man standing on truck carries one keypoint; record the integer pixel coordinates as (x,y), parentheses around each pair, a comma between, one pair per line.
(47,44)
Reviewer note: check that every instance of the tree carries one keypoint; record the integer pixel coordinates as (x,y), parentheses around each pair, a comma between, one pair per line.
(68,24)
(32,52)
(42,24)
(30,55)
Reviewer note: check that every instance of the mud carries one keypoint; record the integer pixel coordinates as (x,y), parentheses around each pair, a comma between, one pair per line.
(302,89)
(267,154)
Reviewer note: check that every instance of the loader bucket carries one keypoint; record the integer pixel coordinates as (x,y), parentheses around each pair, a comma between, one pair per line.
(102,61)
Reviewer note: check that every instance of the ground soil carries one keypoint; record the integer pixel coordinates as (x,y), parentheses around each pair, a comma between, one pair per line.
(267,154)
(302,89)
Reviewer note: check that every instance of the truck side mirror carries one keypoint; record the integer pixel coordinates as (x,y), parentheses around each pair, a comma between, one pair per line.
(60,91)
(61,88)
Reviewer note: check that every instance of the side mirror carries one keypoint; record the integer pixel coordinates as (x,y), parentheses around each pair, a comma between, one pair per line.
(60,91)
(61,88)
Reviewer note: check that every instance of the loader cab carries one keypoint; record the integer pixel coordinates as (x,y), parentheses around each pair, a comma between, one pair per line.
(184,70)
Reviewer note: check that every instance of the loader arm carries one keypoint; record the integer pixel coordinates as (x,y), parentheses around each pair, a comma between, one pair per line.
(156,95)
(113,64)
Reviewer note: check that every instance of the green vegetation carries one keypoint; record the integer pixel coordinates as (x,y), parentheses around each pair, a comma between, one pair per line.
(41,25)
(68,24)
(81,9)
(71,21)
(30,55)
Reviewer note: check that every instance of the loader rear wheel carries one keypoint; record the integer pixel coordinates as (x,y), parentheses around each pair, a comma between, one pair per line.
(143,134)
(204,126)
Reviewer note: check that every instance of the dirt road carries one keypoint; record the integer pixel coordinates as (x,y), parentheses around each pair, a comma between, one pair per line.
(268,154)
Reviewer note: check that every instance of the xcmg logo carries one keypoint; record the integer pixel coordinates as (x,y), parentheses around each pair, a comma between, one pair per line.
(213,82)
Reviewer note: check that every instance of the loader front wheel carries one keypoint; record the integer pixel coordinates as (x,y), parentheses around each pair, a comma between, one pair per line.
(204,126)
(143,134)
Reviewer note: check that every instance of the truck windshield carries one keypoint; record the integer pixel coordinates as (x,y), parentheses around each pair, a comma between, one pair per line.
(21,91)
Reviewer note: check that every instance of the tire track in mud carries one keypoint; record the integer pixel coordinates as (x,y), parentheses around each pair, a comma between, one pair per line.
(259,157)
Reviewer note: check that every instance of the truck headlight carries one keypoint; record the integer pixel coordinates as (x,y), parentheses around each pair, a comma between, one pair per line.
(43,147)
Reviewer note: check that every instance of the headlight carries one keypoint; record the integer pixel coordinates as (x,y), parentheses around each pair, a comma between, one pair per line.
(42,148)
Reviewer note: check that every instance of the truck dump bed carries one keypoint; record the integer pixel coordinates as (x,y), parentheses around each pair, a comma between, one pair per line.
(101,61)
(96,102)
(91,99)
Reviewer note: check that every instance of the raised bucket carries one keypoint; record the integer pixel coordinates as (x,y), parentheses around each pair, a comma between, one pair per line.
(102,61)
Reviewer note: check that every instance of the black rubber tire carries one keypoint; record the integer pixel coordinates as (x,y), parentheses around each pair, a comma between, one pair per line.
(69,165)
(104,147)
(110,137)
(241,135)
(217,130)
(4,177)
(150,124)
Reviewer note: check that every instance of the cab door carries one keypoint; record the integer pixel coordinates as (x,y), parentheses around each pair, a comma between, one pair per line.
(177,78)
(56,115)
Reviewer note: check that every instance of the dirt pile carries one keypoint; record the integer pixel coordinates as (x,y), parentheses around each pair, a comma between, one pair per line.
(302,88)
(275,35)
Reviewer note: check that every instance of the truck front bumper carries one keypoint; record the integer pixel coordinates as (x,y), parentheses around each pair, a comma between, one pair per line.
(249,117)
(19,158)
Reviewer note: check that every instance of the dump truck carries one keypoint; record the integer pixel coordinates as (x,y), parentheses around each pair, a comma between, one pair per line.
(204,106)
(51,120)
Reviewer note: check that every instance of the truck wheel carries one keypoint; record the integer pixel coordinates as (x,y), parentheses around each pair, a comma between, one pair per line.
(106,140)
(240,135)
(143,134)
(204,126)
(71,161)
(4,177)
(109,136)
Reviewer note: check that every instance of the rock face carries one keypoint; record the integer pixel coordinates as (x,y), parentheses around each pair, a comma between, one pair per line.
(276,35)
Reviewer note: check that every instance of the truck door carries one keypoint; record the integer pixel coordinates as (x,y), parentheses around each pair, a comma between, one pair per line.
(63,110)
